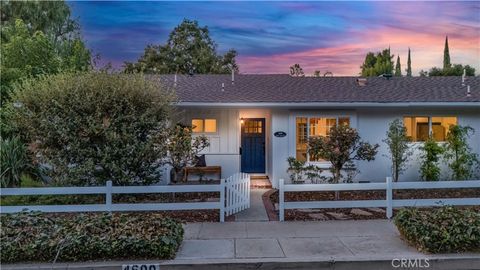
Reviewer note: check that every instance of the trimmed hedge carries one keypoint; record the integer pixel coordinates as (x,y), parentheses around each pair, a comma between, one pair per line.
(35,236)
(440,230)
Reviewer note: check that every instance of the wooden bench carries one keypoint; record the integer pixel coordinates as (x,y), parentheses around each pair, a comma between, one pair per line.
(202,170)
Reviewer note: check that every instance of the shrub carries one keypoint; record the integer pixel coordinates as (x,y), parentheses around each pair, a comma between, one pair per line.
(183,149)
(462,161)
(431,151)
(39,237)
(94,127)
(341,147)
(13,162)
(445,229)
(398,146)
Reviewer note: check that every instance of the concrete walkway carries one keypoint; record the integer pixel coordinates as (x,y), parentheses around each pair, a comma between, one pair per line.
(257,211)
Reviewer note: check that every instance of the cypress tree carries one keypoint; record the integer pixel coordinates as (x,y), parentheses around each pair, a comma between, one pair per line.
(398,68)
(446,55)
(409,65)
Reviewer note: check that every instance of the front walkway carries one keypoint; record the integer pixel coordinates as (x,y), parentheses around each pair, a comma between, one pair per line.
(257,211)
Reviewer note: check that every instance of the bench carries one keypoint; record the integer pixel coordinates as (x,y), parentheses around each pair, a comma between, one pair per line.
(202,170)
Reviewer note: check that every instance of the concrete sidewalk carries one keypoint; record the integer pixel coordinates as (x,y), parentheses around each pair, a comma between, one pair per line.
(303,240)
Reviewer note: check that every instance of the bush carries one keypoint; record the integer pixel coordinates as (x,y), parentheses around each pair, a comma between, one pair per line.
(431,153)
(441,230)
(13,162)
(39,237)
(94,127)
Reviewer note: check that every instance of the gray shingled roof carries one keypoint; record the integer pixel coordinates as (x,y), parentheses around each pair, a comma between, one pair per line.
(279,88)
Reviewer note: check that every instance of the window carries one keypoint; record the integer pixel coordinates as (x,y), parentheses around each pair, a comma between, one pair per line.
(204,125)
(420,127)
(314,127)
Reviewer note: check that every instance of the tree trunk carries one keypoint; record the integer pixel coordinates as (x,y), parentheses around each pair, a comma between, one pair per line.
(176,175)
(336,180)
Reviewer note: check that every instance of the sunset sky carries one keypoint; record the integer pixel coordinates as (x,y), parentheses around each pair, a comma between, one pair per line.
(271,36)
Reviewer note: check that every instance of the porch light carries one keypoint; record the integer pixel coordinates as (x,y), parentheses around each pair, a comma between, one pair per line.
(241,121)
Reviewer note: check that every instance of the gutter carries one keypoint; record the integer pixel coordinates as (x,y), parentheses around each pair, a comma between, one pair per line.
(473,104)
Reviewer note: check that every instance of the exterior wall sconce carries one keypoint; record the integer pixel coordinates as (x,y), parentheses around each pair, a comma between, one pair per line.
(242,121)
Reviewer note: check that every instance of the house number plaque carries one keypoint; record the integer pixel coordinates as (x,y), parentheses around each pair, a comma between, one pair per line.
(280,134)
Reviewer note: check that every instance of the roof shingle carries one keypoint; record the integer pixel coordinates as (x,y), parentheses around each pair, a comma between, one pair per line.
(279,88)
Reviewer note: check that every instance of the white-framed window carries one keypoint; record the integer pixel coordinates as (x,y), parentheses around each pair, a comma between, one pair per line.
(204,125)
(420,127)
(307,127)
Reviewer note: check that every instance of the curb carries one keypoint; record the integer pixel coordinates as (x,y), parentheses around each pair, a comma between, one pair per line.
(435,263)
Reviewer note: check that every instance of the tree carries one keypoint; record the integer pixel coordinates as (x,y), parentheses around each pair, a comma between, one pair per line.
(409,65)
(341,147)
(375,65)
(423,73)
(398,68)
(296,71)
(316,73)
(182,149)
(431,153)
(446,55)
(458,153)
(189,49)
(94,127)
(398,146)
(455,70)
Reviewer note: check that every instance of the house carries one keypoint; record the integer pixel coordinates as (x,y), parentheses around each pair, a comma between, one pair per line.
(255,122)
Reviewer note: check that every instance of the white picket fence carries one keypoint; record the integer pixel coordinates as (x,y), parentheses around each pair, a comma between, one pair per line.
(108,190)
(389,203)
(237,193)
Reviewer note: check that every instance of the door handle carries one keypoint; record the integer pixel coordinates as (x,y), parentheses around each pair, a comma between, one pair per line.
(240,150)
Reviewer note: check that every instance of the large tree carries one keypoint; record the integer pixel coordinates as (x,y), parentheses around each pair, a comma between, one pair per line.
(446,55)
(377,64)
(409,65)
(189,49)
(398,68)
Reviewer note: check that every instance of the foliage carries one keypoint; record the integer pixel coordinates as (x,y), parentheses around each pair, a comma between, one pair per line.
(409,65)
(342,146)
(298,171)
(14,161)
(296,71)
(458,153)
(189,49)
(398,147)
(375,65)
(316,73)
(94,127)
(398,68)
(41,237)
(431,153)
(446,55)
(182,149)
(455,70)
(442,230)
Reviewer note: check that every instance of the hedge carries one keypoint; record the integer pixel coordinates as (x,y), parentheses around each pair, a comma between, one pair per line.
(35,236)
(441,230)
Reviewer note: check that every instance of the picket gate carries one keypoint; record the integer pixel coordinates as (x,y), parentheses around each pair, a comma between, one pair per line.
(237,194)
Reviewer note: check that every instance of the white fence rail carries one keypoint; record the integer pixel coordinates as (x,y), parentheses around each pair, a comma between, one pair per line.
(389,203)
(108,190)
(237,193)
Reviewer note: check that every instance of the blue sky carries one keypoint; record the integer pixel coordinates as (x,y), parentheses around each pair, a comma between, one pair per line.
(271,36)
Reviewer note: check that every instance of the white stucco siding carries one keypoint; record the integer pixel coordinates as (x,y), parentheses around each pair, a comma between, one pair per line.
(280,145)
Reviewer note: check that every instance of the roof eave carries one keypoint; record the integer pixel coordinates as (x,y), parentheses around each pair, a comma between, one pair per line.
(470,104)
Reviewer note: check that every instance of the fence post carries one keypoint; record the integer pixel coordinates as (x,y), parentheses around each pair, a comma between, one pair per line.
(389,196)
(222,200)
(281,200)
(108,196)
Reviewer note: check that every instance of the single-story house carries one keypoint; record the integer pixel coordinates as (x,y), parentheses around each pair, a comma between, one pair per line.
(255,122)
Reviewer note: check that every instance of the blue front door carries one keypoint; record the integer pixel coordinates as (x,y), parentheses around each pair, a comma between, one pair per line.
(253,145)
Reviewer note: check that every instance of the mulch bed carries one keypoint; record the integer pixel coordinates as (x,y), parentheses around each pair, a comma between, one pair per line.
(357,213)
